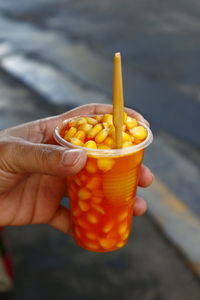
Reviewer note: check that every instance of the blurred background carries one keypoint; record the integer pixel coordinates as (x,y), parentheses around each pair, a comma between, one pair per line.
(55,55)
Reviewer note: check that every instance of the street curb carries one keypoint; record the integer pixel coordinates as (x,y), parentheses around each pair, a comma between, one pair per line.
(176,221)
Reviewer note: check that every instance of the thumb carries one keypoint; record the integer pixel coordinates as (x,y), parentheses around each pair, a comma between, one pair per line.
(25,157)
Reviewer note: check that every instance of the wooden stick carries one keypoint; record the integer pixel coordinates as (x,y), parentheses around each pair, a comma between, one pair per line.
(118,100)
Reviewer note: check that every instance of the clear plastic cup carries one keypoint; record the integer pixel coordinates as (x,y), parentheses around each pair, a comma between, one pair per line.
(102,194)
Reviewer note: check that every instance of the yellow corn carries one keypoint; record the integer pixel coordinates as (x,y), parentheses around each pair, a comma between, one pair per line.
(91,246)
(124,127)
(84,194)
(94,183)
(91,166)
(72,123)
(121,244)
(99,118)
(107,243)
(123,216)
(98,208)
(102,146)
(108,227)
(105,125)
(90,144)
(93,132)
(77,232)
(108,118)
(126,137)
(112,131)
(131,122)
(83,205)
(80,135)
(91,236)
(127,144)
(105,164)
(101,136)
(81,121)
(122,228)
(139,132)
(92,218)
(85,127)
(91,121)
(76,141)
(70,133)
(109,142)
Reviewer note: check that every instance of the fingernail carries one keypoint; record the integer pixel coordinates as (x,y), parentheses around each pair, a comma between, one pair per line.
(71,157)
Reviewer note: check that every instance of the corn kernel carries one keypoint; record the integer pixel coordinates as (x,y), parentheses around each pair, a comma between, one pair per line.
(99,118)
(105,125)
(70,133)
(98,208)
(84,194)
(85,127)
(131,122)
(127,144)
(80,135)
(83,205)
(123,216)
(93,132)
(77,232)
(95,199)
(125,235)
(72,123)
(76,212)
(122,228)
(91,121)
(125,116)
(126,137)
(82,223)
(91,166)
(101,136)
(107,243)
(92,218)
(105,164)
(112,131)
(108,227)
(94,183)
(91,236)
(91,246)
(90,144)
(124,127)
(121,244)
(139,132)
(76,141)
(108,118)
(81,121)
(83,177)
(102,146)
(77,180)
(109,142)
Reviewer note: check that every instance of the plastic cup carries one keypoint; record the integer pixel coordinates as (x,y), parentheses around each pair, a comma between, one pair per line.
(102,194)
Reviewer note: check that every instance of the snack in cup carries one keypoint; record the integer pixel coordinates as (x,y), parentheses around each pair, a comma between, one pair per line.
(102,194)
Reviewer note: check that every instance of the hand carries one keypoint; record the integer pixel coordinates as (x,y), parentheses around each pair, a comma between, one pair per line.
(33,171)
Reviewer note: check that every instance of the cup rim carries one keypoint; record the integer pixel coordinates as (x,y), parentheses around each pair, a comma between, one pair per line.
(102,152)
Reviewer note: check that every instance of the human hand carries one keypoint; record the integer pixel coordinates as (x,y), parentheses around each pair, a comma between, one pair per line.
(33,171)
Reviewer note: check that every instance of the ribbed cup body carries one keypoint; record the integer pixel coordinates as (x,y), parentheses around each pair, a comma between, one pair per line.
(102,201)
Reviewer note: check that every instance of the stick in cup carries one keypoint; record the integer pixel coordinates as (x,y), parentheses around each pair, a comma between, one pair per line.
(102,194)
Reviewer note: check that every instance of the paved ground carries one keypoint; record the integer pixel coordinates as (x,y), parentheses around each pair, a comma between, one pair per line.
(63,53)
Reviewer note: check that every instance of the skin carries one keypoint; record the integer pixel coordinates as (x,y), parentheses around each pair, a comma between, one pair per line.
(33,172)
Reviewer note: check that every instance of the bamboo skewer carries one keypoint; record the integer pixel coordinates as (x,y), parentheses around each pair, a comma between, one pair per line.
(118,100)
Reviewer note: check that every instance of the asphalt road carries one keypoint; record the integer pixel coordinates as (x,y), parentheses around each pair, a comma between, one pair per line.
(159,42)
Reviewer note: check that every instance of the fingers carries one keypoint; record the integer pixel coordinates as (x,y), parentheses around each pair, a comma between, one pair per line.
(146,177)
(139,207)
(61,220)
(21,156)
